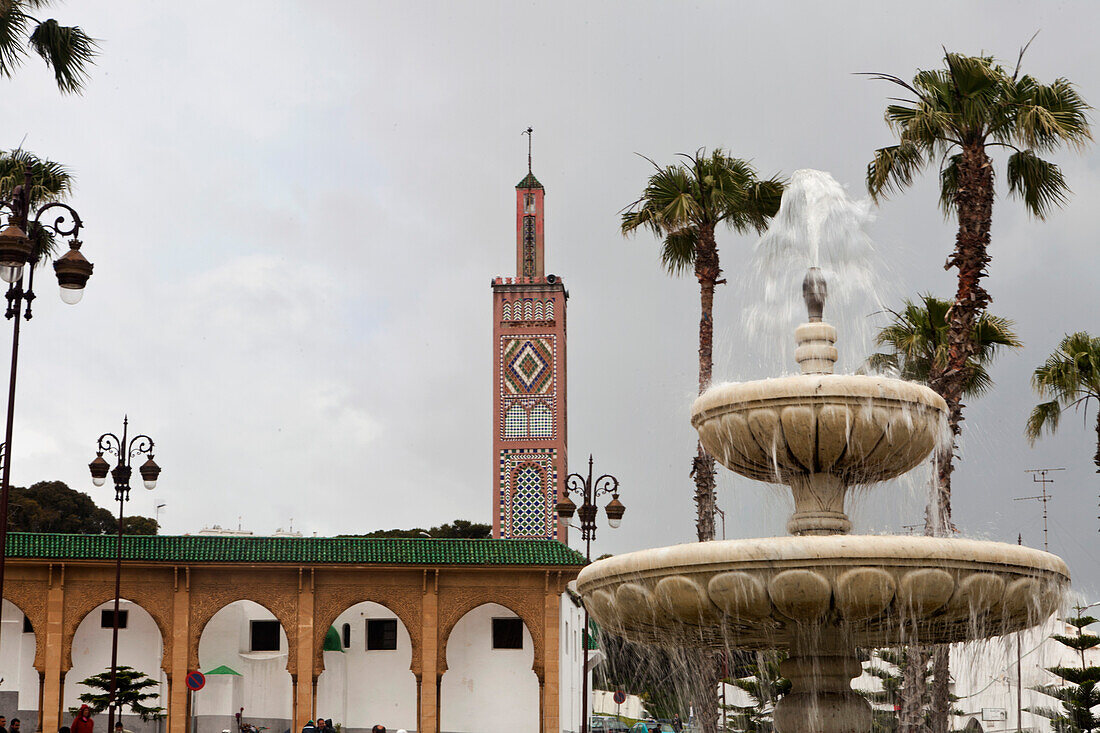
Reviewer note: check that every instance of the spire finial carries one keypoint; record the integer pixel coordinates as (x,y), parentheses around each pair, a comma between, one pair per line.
(528,132)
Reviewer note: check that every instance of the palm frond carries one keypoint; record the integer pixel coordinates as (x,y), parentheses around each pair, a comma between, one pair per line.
(893,169)
(1044,415)
(13,29)
(949,184)
(678,250)
(1038,182)
(68,50)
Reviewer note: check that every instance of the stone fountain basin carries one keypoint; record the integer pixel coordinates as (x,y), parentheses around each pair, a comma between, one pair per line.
(860,428)
(769,593)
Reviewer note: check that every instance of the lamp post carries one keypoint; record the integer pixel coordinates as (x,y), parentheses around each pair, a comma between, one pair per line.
(588,491)
(125,449)
(17,251)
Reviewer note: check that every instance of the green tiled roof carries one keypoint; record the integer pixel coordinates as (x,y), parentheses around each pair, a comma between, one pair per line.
(332,641)
(359,550)
(529,181)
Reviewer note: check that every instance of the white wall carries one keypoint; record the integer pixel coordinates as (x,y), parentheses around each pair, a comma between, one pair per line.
(571,623)
(265,685)
(139,646)
(487,690)
(17,659)
(368,687)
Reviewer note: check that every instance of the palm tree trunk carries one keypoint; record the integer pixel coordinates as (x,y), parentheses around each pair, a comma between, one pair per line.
(913,691)
(1096,458)
(707,271)
(940,703)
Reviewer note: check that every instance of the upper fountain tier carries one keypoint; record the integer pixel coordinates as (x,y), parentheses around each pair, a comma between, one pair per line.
(819,432)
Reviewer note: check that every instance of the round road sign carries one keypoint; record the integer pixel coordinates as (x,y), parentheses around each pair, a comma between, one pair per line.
(619,697)
(195,680)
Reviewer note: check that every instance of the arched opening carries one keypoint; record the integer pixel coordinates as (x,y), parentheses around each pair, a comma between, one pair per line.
(370,680)
(489,658)
(243,653)
(19,686)
(140,647)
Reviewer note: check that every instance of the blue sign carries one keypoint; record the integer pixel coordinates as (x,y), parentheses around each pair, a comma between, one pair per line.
(195,680)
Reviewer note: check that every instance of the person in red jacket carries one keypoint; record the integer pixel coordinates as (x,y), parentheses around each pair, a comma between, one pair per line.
(83,722)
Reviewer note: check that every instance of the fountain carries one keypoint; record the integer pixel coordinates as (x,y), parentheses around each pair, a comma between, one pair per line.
(821,592)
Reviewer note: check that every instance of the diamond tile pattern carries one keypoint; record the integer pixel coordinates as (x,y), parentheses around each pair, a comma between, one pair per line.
(528,365)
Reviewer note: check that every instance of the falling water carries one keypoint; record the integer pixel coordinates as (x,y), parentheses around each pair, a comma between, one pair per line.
(818,225)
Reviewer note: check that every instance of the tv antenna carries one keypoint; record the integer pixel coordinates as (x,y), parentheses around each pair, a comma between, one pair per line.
(1039,476)
(529,132)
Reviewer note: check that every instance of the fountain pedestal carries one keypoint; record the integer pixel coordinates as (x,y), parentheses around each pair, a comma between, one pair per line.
(821,593)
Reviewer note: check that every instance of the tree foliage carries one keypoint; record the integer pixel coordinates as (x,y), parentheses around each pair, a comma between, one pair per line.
(918,346)
(130,692)
(458,529)
(1070,377)
(51,506)
(68,50)
(759,678)
(50,181)
(1078,692)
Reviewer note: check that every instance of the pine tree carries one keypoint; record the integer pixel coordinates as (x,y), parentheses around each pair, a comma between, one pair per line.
(764,686)
(1078,692)
(130,686)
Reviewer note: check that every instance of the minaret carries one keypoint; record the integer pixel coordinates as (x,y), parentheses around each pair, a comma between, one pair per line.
(529,441)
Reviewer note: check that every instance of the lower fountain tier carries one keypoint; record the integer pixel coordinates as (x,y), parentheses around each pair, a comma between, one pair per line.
(782,592)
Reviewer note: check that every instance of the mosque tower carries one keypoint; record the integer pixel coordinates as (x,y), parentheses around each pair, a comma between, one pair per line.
(529,440)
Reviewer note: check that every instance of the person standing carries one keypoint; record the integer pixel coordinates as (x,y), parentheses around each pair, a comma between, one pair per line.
(83,722)
(15,725)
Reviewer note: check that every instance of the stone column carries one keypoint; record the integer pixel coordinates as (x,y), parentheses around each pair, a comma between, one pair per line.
(303,675)
(181,649)
(429,656)
(549,680)
(54,640)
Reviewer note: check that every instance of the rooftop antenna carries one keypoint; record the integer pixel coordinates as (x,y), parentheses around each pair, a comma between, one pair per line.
(528,132)
(1039,476)
(911,528)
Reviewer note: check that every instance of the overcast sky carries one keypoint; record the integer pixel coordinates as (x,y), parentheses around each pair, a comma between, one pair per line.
(295,210)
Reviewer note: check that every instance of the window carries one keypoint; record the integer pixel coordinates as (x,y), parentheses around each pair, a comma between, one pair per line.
(264,636)
(27,628)
(381,634)
(107,619)
(347,636)
(529,203)
(507,633)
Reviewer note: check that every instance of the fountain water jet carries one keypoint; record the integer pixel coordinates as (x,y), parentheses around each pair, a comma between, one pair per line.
(821,592)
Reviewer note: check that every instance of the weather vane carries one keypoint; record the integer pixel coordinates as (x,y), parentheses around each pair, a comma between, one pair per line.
(528,132)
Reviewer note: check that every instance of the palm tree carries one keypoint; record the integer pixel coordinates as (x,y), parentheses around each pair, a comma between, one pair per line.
(68,50)
(919,339)
(1070,377)
(956,117)
(684,204)
(50,181)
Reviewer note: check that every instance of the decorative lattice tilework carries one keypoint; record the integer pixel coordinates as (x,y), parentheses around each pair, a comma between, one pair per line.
(528,493)
(523,418)
(528,246)
(527,365)
(542,422)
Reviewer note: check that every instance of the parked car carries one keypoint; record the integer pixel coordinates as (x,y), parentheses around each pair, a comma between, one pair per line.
(603,724)
(651,726)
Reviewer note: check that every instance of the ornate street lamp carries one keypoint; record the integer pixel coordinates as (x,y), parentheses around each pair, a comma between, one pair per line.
(125,450)
(588,491)
(16,252)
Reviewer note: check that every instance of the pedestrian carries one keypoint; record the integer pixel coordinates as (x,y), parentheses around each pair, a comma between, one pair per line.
(3,724)
(120,729)
(15,726)
(63,729)
(328,726)
(677,724)
(378,729)
(309,727)
(83,722)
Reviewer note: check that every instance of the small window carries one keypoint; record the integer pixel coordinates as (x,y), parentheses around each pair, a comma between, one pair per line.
(27,628)
(107,619)
(347,636)
(381,634)
(507,633)
(265,636)
(529,203)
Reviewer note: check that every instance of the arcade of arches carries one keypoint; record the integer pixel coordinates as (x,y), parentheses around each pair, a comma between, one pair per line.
(188,588)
